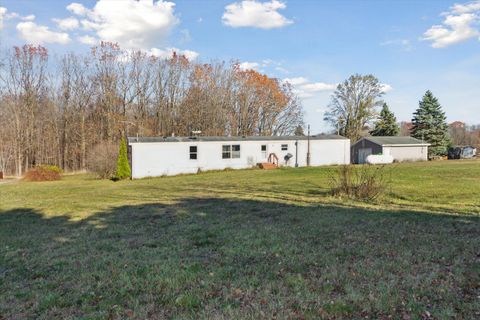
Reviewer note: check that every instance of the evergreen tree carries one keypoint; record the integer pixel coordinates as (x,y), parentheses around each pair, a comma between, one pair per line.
(387,124)
(123,167)
(429,125)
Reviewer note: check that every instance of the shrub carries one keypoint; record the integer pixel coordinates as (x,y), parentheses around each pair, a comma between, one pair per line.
(366,182)
(44,173)
(102,159)
(123,167)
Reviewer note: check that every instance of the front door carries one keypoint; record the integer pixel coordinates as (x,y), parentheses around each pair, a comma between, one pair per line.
(264,151)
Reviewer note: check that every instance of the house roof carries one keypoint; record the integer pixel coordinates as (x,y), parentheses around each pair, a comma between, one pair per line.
(233,138)
(394,141)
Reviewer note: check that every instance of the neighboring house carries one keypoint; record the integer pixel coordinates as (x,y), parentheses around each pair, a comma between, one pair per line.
(400,148)
(462,152)
(405,128)
(457,125)
(158,156)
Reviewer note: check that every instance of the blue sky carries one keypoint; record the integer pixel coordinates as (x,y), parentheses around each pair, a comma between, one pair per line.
(411,46)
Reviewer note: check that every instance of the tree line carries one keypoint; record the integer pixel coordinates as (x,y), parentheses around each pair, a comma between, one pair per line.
(55,111)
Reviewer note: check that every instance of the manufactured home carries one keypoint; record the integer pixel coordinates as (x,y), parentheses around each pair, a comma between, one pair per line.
(166,156)
(400,148)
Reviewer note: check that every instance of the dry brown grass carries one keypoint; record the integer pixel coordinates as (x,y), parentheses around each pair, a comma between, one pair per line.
(44,173)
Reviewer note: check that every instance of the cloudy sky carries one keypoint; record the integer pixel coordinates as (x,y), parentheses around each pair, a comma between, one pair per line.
(411,46)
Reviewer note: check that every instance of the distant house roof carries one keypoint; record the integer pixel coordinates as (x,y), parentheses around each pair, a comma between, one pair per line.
(233,138)
(394,141)
(457,124)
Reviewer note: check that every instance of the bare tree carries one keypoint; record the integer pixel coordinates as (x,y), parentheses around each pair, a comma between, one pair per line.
(95,99)
(354,104)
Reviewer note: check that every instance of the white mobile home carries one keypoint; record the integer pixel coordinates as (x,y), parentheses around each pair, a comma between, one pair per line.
(159,156)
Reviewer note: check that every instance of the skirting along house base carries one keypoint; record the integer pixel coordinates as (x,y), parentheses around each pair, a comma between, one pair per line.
(167,156)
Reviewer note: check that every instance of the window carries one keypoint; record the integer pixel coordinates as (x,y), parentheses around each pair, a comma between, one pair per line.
(236,151)
(231,151)
(193,152)
(264,150)
(284,147)
(226,152)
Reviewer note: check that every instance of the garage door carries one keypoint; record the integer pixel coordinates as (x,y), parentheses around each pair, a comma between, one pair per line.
(363,153)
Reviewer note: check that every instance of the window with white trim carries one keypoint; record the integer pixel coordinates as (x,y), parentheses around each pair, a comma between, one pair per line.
(193,152)
(284,147)
(236,151)
(231,151)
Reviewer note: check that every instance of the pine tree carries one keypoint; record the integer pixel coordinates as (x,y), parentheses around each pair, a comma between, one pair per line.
(123,167)
(387,124)
(429,124)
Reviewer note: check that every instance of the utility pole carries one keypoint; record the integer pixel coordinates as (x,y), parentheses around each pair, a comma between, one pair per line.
(296,153)
(308,146)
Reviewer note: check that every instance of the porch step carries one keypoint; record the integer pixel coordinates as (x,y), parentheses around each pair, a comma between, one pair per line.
(267,165)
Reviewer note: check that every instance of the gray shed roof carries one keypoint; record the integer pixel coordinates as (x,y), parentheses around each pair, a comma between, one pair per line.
(233,138)
(394,141)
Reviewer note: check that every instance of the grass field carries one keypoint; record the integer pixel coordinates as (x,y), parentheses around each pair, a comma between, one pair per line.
(243,245)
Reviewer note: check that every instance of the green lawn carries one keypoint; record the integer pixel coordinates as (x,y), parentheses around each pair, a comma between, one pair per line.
(243,245)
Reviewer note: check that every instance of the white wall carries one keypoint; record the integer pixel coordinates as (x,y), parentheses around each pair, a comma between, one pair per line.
(407,153)
(151,159)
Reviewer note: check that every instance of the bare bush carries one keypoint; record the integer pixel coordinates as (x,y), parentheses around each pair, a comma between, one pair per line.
(44,173)
(102,159)
(366,182)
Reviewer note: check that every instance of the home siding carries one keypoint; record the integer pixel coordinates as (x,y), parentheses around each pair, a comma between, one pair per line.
(407,153)
(171,158)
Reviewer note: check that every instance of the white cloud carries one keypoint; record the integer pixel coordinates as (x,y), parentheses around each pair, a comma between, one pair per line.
(78,9)
(132,24)
(249,65)
(296,81)
(252,13)
(318,87)
(12,15)
(460,24)
(38,34)
(7,16)
(30,17)
(282,70)
(70,23)
(89,25)
(88,40)
(404,44)
(386,87)
(3,12)
(168,53)
(306,89)
(263,66)
(466,8)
